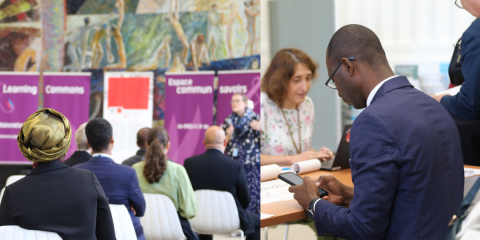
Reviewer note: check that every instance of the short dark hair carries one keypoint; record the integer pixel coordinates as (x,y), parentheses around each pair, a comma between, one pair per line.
(99,132)
(359,42)
(142,136)
(276,78)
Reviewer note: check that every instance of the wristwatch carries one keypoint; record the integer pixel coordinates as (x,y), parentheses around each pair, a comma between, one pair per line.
(311,209)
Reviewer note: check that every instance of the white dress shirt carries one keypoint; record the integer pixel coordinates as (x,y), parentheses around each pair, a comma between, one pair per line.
(375,89)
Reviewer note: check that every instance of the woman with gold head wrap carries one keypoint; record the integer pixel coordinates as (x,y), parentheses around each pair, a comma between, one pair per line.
(55,197)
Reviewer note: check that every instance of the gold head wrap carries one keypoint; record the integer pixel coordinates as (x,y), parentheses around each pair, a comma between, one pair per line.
(45,136)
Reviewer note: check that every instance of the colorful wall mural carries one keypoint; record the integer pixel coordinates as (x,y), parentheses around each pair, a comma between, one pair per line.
(129,35)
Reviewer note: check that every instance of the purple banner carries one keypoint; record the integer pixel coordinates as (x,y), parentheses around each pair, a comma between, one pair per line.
(231,82)
(18,100)
(188,112)
(70,95)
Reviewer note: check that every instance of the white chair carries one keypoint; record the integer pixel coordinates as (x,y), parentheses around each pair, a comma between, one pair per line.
(217,213)
(124,229)
(161,221)
(18,233)
(10,180)
(13,179)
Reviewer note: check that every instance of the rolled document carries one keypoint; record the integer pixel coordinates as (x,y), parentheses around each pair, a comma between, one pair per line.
(269,172)
(306,166)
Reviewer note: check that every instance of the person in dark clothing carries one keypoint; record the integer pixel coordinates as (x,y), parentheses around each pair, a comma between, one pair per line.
(142,144)
(82,154)
(55,197)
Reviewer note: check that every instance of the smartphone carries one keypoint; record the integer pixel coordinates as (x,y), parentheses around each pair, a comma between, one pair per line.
(293,179)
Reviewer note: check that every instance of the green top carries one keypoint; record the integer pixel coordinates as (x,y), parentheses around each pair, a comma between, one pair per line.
(174,184)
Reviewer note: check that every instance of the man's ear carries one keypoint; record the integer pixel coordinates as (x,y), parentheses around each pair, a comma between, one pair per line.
(111,140)
(88,145)
(204,143)
(225,142)
(348,66)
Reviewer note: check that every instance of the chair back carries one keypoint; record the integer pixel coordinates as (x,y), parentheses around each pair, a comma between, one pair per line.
(13,179)
(17,233)
(161,221)
(217,213)
(10,180)
(124,229)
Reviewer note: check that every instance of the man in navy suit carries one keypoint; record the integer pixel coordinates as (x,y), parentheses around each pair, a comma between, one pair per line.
(216,171)
(119,182)
(406,159)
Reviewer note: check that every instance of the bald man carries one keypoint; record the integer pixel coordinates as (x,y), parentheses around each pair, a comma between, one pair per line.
(215,171)
(142,144)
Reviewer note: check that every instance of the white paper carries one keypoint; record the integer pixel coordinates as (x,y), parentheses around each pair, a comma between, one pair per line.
(126,122)
(451,91)
(264,215)
(306,166)
(274,191)
(471,172)
(269,172)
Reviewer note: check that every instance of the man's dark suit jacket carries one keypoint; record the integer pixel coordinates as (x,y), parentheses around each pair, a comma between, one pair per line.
(77,158)
(407,169)
(135,159)
(61,199)
(214,171)
(120,184)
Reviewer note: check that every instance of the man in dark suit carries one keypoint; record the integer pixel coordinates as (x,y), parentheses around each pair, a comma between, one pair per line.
(81,155)
(406,159)
(119,182)
(55,197)
(142,144)
(215,171)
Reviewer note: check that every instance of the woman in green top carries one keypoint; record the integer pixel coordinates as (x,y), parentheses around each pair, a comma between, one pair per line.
(157,175)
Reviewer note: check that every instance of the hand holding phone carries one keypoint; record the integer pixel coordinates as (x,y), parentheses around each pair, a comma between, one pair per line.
(293,179)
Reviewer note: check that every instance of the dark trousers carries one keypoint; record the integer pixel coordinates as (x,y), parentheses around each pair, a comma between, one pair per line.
(187,230)
(255,218)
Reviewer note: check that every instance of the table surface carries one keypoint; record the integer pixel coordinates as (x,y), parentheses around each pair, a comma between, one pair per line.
(287,211)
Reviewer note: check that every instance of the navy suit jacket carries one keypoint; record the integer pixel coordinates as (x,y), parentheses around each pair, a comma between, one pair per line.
(407,169)
(466,104)
(120,184)
(215,171)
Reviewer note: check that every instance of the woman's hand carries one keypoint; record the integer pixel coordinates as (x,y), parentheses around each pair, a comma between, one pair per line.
(326,151)
(255,125)
(306,156)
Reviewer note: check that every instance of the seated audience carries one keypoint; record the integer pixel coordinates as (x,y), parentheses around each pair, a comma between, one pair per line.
(119,182)
(157,175)
(54,197)
(142,144)
(215,171)
(405,152)
(82,154)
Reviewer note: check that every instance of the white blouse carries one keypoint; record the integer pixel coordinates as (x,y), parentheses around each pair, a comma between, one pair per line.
(276,139)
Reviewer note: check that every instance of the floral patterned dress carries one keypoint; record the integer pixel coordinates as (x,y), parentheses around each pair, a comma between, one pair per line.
(247,142)
(275,139)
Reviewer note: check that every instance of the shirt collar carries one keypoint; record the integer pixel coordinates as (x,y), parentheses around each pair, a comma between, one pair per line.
(102,155)
(375,89)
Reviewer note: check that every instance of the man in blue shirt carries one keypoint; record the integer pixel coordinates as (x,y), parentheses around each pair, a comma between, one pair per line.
(119,182)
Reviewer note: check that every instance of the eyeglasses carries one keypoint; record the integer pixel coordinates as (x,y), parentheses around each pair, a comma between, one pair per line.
(332,84)
(235,101)
(458,3)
